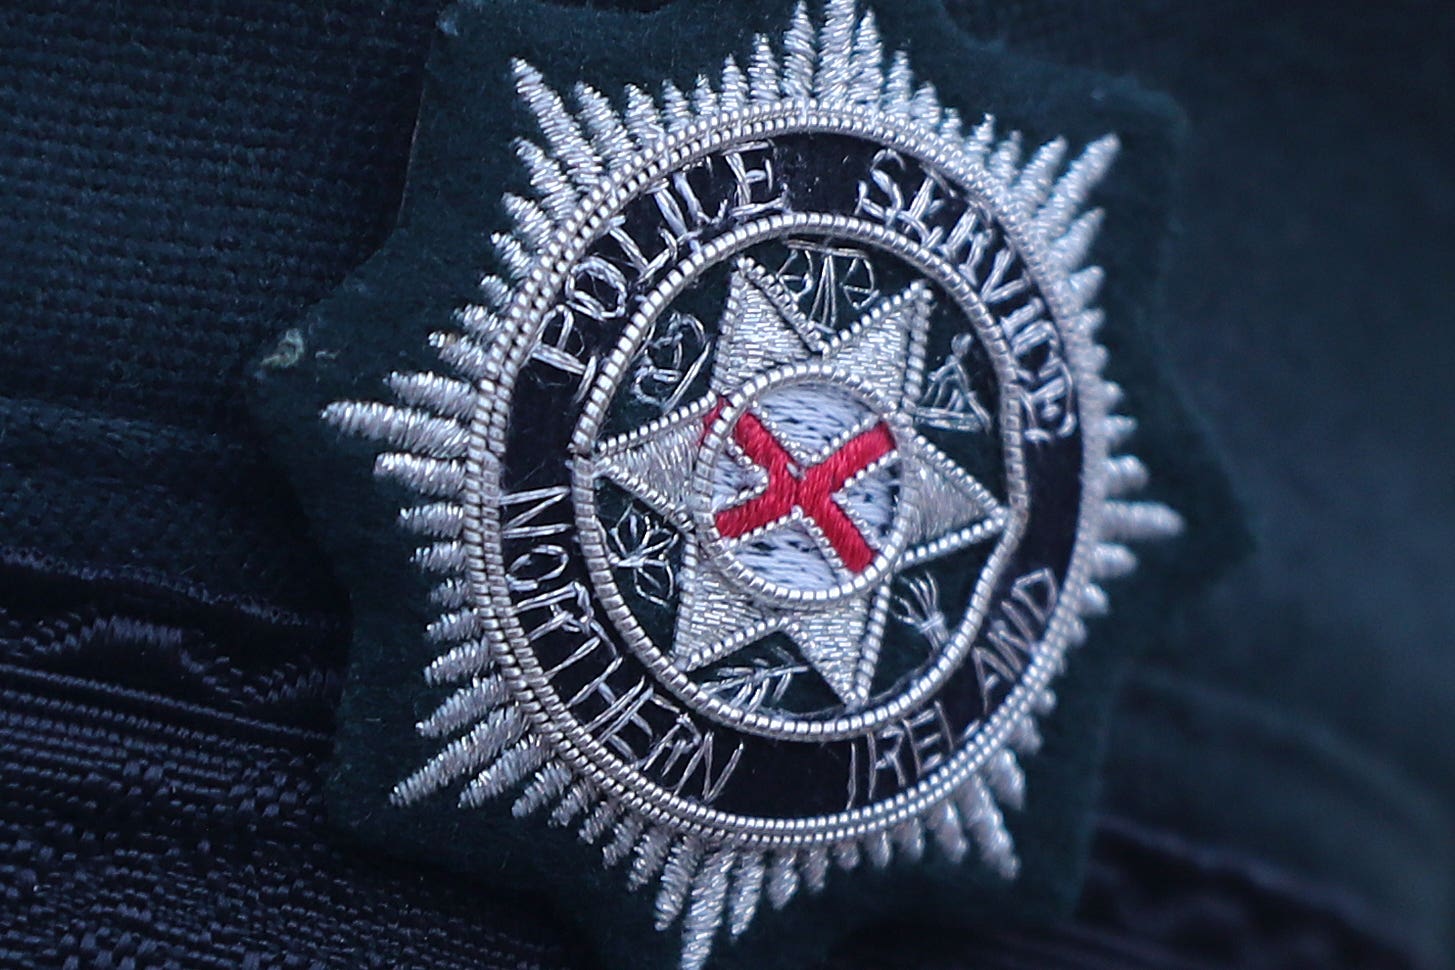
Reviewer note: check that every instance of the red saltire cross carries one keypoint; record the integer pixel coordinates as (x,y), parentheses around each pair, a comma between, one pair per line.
(811,489)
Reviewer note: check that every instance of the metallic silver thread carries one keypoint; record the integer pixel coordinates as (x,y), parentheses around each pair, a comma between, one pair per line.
(836,60)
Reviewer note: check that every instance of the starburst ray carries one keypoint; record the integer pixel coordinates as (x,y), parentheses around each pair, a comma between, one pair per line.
(437,520)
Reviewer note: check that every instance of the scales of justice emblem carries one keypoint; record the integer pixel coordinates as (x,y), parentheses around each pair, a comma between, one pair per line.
(766,487)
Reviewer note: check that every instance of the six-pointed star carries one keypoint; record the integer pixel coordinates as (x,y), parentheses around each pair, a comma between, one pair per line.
(811,487)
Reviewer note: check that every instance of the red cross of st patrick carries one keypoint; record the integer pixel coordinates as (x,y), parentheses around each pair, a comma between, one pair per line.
(810,490)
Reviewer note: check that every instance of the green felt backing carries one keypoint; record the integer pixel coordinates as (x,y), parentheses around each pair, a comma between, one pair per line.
(379,322)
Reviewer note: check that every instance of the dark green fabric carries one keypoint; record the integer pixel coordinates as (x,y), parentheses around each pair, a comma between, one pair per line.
(380,319)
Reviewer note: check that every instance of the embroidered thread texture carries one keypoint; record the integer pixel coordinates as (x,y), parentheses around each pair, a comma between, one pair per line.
(801,498)
(808,490)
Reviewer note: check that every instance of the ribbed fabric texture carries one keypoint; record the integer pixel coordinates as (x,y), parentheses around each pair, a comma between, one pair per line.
(141,833)
(182,179)
(178,840)
(179,182)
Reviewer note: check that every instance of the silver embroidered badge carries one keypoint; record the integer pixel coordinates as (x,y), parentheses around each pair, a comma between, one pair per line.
(768,487)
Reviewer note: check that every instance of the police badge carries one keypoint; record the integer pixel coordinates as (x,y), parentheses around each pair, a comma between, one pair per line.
(763,489)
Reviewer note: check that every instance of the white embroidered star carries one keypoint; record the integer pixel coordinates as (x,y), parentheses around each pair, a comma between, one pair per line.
(800,483)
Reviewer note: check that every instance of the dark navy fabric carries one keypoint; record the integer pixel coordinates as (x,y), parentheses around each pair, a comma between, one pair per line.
(1308,313)
(178,182)
(136,832)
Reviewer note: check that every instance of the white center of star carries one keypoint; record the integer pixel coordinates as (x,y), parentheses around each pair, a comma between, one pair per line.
(799,488)
(800,483)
